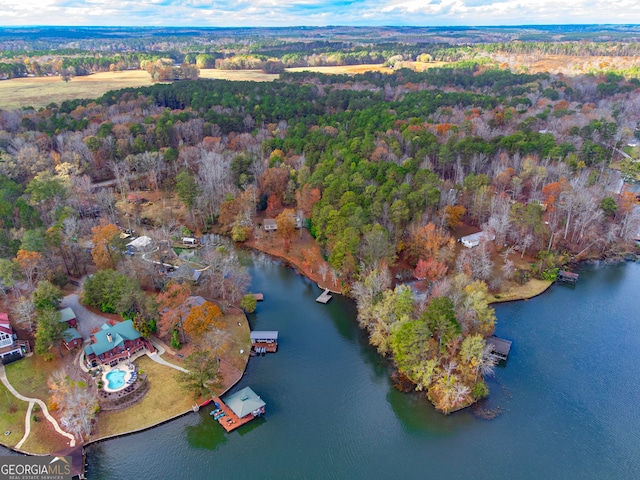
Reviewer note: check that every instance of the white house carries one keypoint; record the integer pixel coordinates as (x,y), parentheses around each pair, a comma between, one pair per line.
(269,225)
(139,243)
(474,239)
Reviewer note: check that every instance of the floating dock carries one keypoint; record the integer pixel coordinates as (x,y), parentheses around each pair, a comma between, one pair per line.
(500,347)
(324,296)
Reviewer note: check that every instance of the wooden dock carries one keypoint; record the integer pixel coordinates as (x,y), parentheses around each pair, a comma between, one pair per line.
(567,277)
(230,421)
(500,347)
(324,296)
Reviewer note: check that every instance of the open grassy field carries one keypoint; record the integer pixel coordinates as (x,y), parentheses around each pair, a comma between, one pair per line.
(40,91)
(344,69)
(12,412)
(238,75)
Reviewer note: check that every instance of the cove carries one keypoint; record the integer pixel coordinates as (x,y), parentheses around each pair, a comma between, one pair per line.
(568,398)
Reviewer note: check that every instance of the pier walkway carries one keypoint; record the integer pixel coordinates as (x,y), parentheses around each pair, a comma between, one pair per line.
(324,296)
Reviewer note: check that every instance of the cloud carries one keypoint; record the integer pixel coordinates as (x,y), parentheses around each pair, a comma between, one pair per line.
(244,13)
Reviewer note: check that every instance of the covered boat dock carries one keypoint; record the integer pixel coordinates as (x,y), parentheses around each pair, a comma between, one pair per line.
(264,341)
(567,277)
(500,347)
(238,409)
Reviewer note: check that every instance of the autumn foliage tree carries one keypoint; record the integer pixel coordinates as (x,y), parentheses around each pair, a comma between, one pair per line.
(170,303)
(286,227)
(201,318)
(103,251)
(430,242)
(29,263)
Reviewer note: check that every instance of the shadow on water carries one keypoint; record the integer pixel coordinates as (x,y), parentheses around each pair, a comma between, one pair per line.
(207,434)
(251,426)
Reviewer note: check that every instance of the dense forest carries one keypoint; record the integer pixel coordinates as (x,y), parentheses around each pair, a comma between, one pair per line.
(385,171)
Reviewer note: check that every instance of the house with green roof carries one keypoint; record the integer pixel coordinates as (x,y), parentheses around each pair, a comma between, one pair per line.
(114,343)
(68,316)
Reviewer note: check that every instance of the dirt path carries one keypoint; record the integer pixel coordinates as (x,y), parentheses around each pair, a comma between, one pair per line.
(43,407)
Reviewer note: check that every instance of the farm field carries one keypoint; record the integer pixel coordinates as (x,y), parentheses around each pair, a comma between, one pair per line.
(40,91)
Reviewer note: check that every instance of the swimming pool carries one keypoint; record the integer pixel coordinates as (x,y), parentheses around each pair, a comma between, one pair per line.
(115,379)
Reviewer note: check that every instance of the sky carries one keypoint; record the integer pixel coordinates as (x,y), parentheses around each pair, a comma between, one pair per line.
(282,13)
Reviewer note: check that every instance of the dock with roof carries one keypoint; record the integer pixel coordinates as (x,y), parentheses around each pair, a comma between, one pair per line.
(238,409)
(264,341)
(499,347)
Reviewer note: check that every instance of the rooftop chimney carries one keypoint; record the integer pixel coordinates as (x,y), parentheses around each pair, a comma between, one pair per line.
(109,338)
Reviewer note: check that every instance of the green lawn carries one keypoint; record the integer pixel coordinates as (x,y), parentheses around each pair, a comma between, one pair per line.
(12,412)
(165,399)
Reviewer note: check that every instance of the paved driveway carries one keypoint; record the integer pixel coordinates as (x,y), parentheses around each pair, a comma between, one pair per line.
(87,321)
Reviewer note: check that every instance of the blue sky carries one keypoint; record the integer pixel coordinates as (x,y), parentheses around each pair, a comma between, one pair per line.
(239,13)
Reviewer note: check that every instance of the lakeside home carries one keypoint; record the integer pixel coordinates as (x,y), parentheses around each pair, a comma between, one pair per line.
(114,343)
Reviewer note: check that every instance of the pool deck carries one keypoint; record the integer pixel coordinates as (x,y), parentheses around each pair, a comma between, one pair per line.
(128,374)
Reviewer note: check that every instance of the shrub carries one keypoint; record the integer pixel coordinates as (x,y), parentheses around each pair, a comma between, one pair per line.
(480,390)
(175,340)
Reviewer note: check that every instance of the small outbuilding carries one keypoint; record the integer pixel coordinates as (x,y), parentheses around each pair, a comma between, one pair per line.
(139,243)
(71,339)
(68,316)
(474,239)
(269,225)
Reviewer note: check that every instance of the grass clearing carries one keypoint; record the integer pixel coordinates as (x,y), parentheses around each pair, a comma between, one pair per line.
(513,291)
(238,75)
(344,69)
(12,412)
(43,439)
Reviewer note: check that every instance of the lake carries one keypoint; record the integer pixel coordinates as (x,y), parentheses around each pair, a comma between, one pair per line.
(567,398)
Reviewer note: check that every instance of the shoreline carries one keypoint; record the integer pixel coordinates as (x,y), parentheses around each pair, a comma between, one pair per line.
(291,262)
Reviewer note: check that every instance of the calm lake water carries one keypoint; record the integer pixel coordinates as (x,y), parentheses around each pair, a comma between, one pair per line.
(568,398)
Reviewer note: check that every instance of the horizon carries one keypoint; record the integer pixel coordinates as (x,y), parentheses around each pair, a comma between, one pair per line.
(316,13)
